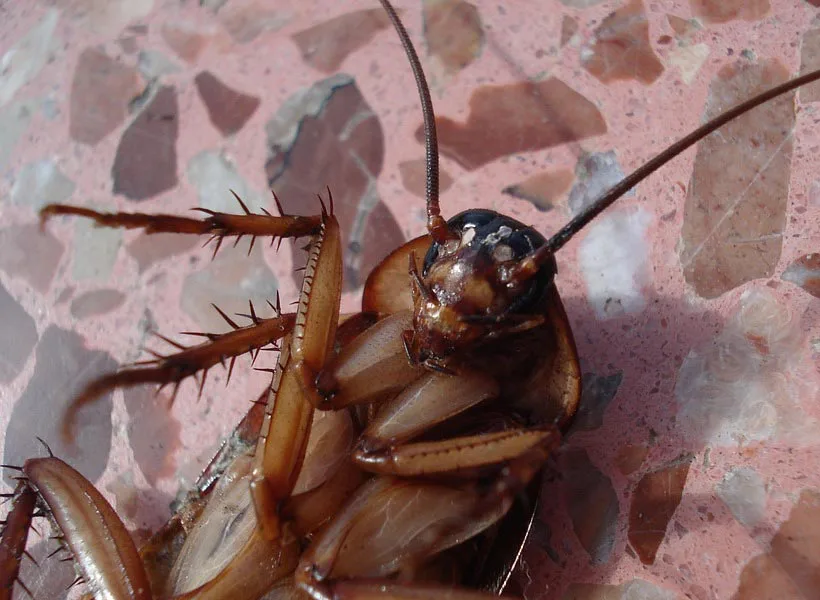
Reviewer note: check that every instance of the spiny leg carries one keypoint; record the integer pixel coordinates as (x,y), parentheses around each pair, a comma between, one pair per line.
(96,538)
(288,417)
(105,555)
(14,537)
(174,368)
(218,225)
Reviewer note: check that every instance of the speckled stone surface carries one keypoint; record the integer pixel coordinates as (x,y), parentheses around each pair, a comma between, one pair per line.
(692,469)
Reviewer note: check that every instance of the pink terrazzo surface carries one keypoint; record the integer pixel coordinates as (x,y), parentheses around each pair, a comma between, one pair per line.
(693,469)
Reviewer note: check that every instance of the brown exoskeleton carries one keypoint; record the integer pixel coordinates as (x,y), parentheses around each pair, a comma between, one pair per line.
(465,366)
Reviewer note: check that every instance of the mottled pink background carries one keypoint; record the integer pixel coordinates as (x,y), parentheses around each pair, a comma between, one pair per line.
(692,469)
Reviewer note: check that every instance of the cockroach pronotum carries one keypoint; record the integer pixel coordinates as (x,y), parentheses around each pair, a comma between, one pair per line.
(396,450)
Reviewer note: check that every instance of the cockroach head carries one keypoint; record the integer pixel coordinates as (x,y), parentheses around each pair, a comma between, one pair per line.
(472,288)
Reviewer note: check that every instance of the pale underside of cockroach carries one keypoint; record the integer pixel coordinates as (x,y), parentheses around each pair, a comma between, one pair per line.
(392,442)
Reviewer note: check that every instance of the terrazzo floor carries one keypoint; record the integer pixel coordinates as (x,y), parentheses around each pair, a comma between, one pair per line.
(691,471)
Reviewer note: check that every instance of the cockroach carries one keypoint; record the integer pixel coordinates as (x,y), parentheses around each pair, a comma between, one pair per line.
(448,392)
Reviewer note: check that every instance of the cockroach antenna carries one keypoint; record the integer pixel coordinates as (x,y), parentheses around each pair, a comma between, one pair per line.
(563,235)
(436,224)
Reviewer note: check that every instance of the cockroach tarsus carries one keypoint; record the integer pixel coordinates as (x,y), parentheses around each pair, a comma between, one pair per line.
(468,313)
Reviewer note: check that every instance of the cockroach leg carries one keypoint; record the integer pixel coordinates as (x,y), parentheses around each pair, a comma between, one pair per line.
(174,368)
(395,524)
(372,368)
(14,536)
(418,407)
(289,414)
(101,546)
(216,224)
(455,455)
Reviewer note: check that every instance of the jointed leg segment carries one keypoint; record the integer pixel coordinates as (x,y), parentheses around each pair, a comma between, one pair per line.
(288,417)
(174,368)
(14,537)
(396,524)
(217,224)
(420,517)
